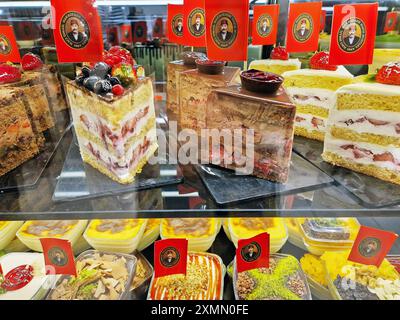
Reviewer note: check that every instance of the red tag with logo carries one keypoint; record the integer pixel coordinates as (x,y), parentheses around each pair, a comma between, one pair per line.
(353,34)
(126,33)
(371,246)
(195,23)
(140,31)
(170,257)
(265,24)
(253,253)
(58,256)
(227,29)
(323,21)
(175,23)
(77,32)
(303,27)
(8,45)
(112,35)
(158,29)
(391,21)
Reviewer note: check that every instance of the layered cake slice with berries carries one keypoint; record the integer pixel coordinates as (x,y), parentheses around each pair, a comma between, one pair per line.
(364,127)
(312,91)
(18,141)
(278,62)
(114,116)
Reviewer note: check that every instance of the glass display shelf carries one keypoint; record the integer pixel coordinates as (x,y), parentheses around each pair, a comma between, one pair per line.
(190,198)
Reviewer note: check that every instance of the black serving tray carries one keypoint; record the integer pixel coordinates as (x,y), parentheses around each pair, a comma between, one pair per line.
(226,187)
(369,191)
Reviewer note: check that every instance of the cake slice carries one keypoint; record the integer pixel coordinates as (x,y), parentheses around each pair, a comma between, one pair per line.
(195,86)
(115,125)
(278,63)
(312,91)
(364,127)
(18,142)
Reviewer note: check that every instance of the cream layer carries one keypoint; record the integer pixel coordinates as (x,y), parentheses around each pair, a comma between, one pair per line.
(323,98)
(310,122)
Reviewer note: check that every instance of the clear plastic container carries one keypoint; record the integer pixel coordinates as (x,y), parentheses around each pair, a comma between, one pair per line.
(348,280)
(7,232)
(319,291)
(39,283)
(244,228)
(141,280)
(163,288)
(115,235)
(151,233)
(31,231)
(90,255)
(200,232)
(280,290)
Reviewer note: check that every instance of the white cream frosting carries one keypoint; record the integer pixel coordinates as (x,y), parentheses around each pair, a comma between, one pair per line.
(341,72)
(269,62)
(323,98)
(39,281)
(307,122)
(370,88)
(340,118)
(335,146)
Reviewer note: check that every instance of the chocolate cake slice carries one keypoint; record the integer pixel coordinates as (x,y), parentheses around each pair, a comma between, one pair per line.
(271,116)
(18,141)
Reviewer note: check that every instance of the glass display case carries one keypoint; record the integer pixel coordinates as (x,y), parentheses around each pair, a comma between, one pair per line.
(53,169)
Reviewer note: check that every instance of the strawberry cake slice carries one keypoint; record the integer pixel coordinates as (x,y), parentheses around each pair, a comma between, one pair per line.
(363,131)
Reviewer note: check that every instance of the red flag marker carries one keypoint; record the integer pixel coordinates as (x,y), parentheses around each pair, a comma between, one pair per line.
(253,253)
(391,21)
(353,33)
(265,24)
(175,24)
(8,45)
(58,256)
(77,32)
(303,27)
(195,23)
(126,33)
(170,257)
(227,25)
(140,31)
(371,246)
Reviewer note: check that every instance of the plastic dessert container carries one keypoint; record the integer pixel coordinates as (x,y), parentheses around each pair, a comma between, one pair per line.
(7,232)
(328,234)
(295,236)
(284,280)
(24,277)
(200,232)
(204,280)
(115,235)
(150,234)
(141,280)
(243,228)
(348,280)
(31,231)
(100,276)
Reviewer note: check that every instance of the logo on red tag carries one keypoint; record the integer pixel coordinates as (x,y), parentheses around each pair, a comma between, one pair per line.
(391,21)
(303,27)
(353,34)
(227,28)
(253,253)
(8,45)
(140,31)
(265,24)
(126,32)
(371,246)
(58,256)
(170,257)
(77,33)
(195,23)
(175,26)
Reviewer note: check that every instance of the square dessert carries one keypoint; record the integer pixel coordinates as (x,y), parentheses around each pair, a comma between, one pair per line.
(271,116)
(18,141)
(194,88)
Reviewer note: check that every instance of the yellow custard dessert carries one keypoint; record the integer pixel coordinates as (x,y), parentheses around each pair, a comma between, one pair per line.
(151,233)
(115,230)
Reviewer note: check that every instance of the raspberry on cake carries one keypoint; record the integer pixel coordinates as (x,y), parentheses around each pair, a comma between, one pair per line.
(114,118)
(18,141)
(364,126)
(278,63)
(312,91)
